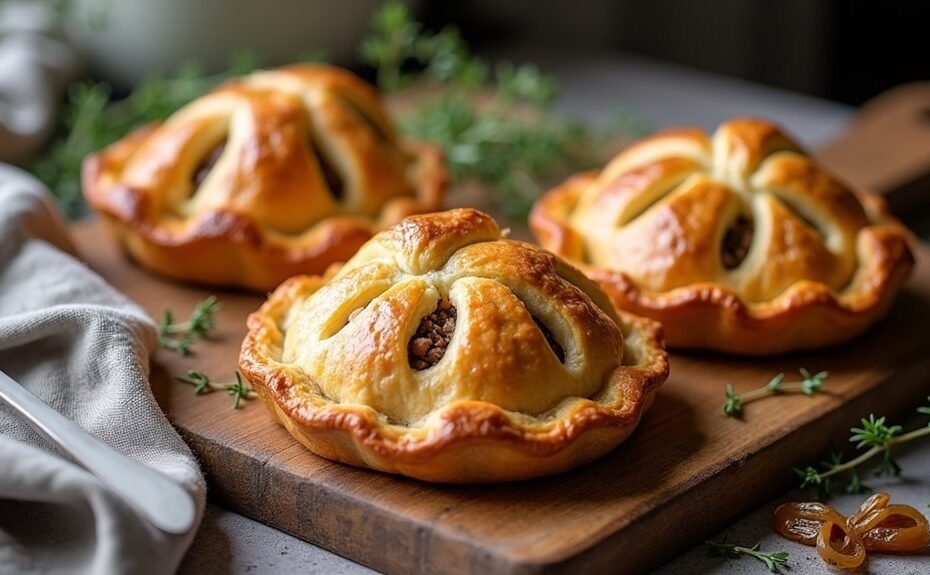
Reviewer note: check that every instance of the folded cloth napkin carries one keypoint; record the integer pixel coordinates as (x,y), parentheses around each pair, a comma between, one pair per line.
(84,349)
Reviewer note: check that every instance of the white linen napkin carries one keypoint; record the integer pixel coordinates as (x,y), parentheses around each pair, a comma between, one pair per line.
(84,349)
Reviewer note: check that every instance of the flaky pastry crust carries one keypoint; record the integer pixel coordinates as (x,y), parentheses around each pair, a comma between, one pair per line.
(329,357)
(738,243)
(271,175)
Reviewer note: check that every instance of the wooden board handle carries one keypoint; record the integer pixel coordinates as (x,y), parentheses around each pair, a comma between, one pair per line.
(887,147)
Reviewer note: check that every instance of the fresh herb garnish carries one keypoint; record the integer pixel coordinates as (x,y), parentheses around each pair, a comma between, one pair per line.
(774,561)
(514,158)
(180,336)
(493,123)
(808,385)
(239,390)
(877,438)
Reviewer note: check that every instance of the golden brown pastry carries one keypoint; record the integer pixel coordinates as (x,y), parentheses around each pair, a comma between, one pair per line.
(739,243)
(276,173)
(444,352)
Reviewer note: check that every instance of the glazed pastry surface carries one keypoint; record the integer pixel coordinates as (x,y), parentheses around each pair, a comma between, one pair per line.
(714,236)
(522,360)
(276,173)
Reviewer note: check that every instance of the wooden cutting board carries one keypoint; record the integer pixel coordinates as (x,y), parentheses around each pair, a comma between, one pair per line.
(685,473)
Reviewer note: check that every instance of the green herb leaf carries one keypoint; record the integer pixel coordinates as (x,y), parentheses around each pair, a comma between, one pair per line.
(876,437)
(775,384)
(812,383)
(518,151)
(809,476)
(809,385)
(198,379)
(873,433)
(180,337)
(239,390)
(524,83)
(774,561)
(203,318)
(855,485)
(734,403)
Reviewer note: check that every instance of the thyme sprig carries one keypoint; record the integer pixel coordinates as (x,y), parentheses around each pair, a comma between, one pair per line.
(774,561)
(514,158)
(877,437)
(493,122)
(808,385)
(180,336)
(202,383)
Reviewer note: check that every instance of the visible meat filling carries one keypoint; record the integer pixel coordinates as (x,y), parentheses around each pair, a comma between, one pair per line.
(200,174)
(550,339)
(736,243)
(429,343)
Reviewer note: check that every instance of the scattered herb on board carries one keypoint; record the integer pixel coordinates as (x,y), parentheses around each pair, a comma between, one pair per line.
(808,385)
(774,561)
(180,336)
(239,390)
(877,438)
(494,123)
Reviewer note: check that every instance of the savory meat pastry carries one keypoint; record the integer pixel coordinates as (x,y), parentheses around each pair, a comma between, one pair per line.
(444,352)
(273,174)
(739,243)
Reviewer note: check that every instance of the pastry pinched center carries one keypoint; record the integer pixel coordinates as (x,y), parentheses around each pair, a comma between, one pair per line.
(422,318)
(746,209)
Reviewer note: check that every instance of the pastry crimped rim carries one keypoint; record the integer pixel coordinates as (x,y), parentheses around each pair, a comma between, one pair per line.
(224,247)
(711,316)
(467,441)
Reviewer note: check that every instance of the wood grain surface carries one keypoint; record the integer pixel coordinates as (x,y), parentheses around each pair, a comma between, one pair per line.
(887,147)
(685,473)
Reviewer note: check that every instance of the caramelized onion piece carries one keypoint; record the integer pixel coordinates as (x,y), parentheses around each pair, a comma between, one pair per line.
(839,546)
(890,528)
(896,529)
(844,542)
(802,522)
(874,503)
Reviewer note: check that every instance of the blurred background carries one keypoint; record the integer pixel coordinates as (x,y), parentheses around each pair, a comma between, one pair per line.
(76,75)
(843,50)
